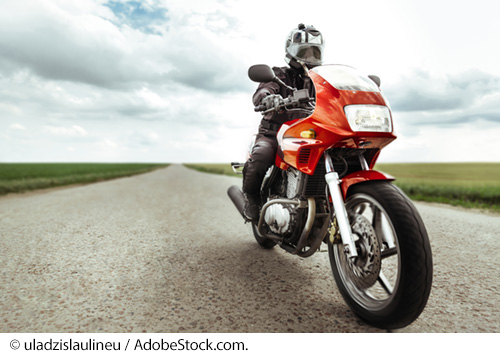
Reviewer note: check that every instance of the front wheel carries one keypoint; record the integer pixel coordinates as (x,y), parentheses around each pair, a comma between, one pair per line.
(389,283)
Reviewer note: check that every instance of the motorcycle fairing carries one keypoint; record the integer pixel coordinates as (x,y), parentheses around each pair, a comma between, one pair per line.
(330,123)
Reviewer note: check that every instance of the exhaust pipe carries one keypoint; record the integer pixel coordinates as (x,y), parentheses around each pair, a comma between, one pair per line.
(236,195)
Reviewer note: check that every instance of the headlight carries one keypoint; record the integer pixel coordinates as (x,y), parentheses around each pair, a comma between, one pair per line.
(369,118)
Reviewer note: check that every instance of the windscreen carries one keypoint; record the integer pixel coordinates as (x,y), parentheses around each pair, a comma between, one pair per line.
(346,78)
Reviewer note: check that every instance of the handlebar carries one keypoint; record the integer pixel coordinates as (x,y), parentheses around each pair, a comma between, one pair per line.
(298,98)
(260,108)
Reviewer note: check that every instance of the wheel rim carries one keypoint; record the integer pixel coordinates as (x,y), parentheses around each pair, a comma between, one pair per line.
(373,278)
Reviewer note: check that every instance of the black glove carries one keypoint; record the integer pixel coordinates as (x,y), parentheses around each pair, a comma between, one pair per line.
(272,101)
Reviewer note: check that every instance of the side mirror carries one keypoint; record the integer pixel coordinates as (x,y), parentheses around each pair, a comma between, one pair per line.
(261,73)
(376,79)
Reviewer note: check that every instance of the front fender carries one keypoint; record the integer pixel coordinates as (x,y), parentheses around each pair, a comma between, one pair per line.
(362,176)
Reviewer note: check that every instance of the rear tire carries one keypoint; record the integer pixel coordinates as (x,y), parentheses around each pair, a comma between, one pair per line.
(263,242)
(389,284)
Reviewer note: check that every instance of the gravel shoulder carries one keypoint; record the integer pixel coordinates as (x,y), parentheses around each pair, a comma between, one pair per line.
(166,251)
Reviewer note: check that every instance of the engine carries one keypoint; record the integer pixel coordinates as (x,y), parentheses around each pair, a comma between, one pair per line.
(282,218)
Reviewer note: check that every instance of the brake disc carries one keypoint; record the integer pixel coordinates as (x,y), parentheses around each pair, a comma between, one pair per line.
(365,269)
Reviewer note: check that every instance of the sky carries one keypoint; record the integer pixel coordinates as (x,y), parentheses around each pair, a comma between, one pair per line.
(166,81)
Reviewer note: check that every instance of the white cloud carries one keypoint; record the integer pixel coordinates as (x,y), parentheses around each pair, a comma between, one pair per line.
(153,99)
(17,126)
(73,131)
(165,80)
(420,90)
(473,142)
(55,43)
(94,49)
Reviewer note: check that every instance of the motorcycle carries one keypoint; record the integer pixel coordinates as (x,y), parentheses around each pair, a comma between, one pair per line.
(323,189)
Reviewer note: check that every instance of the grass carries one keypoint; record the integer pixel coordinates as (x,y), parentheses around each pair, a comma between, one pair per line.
(21,177)
(221,169)
(470,185)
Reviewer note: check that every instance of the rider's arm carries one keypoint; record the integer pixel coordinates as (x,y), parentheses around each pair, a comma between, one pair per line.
(267,88)
(263,90)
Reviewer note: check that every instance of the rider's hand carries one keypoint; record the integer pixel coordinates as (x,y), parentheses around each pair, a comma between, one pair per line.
(272,101)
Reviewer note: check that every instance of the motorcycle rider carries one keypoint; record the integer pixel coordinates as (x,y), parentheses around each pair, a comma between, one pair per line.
(304,50)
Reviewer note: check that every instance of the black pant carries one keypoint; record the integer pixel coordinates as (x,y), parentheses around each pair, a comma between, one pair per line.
(263,155)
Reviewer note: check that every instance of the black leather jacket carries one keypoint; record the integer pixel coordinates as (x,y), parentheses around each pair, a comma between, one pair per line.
(293,78)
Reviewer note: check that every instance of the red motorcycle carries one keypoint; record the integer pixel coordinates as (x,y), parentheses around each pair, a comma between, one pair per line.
(323,189)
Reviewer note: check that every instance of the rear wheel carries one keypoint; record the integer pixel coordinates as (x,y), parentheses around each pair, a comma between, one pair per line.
(389,283)
(264,242)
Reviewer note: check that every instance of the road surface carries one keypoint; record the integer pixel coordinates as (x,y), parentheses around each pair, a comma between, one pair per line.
(167,252)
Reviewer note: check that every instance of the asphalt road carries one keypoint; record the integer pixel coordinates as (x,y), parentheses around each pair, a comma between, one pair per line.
(167,252)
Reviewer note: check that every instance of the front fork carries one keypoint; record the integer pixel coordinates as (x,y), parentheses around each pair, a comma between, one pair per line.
(333,182)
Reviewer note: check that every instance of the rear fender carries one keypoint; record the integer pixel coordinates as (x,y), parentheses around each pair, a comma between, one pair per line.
(362,176)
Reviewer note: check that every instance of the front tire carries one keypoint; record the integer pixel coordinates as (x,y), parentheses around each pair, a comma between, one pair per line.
(389,283)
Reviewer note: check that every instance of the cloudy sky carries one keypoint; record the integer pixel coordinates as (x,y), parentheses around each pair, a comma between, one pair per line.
(166,81)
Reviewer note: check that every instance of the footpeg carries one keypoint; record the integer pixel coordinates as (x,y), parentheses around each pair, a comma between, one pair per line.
(236,166)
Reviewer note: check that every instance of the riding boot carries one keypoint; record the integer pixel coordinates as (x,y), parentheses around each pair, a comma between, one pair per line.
(251,210)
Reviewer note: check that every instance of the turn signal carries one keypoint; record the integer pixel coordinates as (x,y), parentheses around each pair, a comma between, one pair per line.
(308,134)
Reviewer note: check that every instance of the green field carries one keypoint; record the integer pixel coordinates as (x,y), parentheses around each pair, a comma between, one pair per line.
(471,185)
(23,177)
(221,169)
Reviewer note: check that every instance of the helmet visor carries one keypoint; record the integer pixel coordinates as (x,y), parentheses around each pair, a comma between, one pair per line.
(307,53)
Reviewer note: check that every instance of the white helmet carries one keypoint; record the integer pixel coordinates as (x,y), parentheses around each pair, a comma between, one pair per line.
(305,45)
